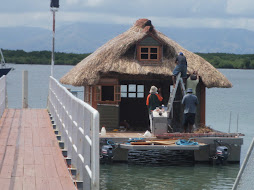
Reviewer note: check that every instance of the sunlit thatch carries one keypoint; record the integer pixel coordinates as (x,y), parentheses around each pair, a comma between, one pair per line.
(118,56)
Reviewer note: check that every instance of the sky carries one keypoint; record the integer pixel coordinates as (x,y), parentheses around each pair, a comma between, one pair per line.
(163,13)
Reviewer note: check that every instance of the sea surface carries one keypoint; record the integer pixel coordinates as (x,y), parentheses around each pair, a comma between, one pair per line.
(222,104)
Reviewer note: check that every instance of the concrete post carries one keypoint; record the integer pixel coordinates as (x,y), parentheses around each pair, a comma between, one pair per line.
(25,89)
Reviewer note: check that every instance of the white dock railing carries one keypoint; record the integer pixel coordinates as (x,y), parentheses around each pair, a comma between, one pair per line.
(78,124)
(2,95)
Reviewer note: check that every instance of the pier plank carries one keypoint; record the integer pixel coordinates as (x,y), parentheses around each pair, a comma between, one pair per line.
(38,155)
(19,172)
(29,183)
(66,184)
(30,157)
(17,183)
(6,172)
(29,171)
(54,183)
(42,183)
(40,171)
(5,183)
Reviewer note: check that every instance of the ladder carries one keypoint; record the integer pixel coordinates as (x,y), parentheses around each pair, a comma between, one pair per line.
(173,93)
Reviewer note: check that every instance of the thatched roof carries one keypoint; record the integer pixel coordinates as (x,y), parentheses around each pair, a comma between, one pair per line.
(118,56)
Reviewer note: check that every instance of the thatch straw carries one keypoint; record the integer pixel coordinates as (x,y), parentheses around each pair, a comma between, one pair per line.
(118,56)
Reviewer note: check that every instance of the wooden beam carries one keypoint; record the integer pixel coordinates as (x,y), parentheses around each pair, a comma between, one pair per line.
(202,104)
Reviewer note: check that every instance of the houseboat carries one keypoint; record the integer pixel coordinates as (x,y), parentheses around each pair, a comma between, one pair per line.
(117,78)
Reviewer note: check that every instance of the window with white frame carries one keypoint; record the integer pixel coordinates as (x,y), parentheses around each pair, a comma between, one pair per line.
(132,91)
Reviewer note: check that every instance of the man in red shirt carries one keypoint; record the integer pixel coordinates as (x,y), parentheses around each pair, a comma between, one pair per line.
(153,100)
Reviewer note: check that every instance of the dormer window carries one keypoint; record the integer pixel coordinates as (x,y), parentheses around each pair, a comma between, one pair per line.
(149,50)
(149,53)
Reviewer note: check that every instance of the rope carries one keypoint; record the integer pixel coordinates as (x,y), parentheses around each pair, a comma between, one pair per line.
(110,142)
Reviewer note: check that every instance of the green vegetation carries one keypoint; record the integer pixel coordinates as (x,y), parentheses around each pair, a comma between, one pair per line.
(42,57)
(218,60)
(230,61)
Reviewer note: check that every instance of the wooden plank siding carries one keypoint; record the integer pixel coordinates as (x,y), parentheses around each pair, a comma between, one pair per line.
(30,157)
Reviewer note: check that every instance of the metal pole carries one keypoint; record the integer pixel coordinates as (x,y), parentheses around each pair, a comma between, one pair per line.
(237,125)
(53,44)
(229,123)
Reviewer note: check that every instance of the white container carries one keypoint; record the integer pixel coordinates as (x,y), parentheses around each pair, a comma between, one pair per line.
(147,134)
(103,131)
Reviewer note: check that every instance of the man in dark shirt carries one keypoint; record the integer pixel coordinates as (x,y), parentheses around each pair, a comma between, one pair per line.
(153,100)
(190,102)
(181,67)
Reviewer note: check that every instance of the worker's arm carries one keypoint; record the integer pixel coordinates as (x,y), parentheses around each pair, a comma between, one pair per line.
(147,99)
(176,61)
(183,100)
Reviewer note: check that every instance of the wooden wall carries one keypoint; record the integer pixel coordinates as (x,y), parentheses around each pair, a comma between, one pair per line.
(109,116)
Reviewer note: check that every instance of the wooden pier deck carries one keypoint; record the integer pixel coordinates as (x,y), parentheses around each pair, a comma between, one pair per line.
(30,157)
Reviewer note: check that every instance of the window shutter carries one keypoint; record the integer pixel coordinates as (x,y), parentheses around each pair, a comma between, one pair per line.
(98,93)
(117,93)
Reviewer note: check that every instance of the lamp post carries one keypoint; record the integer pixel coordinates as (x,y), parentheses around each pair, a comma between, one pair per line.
(54,5)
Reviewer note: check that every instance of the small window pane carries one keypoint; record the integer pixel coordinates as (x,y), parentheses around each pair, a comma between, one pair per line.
(144,56)
(124,95)
(140,95)
(132,88)
(140,88)
(153,50)
(123,88)
(153,56)
(144,50)
(132,95)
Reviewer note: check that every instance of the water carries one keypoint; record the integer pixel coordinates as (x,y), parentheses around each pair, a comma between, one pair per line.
(220,102)
(38,83)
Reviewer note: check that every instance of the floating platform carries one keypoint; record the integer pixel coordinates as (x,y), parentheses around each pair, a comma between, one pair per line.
(206,148)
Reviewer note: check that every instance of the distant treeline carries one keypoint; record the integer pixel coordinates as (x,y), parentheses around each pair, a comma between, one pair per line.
(230,61)
(41,57)
(218,60)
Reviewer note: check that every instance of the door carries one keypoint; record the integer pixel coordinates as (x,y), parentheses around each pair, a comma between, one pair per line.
(133,108)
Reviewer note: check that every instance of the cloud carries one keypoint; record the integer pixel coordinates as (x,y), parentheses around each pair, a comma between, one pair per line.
(71,2)
(237,7)
(173,13)
(32,19)
(208,22)
(44,19)
(93,3)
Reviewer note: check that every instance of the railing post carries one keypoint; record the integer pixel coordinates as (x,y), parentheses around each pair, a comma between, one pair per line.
(3,95)
(95,152)
(25,89)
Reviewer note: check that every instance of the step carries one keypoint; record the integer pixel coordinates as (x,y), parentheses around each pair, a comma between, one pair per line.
(73,172)
(54,126)
(79,184)
(68,161)
(61,144)
(58,137)
(64,152)
(56,132)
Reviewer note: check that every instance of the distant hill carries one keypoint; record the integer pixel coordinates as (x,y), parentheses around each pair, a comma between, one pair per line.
(86,38)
